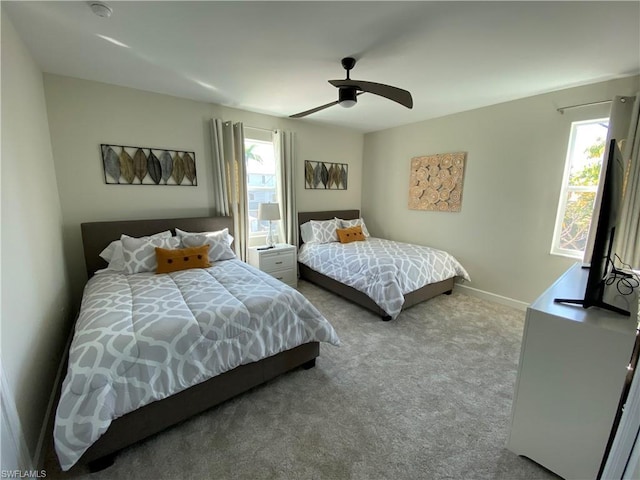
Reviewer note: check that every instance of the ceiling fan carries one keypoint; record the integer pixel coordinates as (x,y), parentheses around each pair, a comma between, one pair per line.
(348,91)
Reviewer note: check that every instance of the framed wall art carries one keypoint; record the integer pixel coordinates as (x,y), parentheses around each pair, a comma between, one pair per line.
(325,175)
(435,182)
(126,165)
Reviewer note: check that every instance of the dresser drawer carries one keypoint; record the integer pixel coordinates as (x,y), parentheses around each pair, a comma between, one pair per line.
(277,261)
(286,276)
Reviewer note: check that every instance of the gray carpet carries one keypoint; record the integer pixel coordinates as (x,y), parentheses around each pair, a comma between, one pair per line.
(426,396)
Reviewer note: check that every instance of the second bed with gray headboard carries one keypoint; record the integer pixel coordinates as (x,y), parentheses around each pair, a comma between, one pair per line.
(352,280)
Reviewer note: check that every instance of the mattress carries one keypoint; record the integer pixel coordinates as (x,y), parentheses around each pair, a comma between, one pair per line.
(385,270)
(142,337)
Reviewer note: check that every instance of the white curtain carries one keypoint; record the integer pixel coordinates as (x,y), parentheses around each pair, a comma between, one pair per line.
(619,118)
(230,179)
(284,146)
(628,229)
(221,199)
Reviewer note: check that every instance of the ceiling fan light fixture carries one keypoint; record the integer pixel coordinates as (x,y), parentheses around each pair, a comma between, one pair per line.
(347,97)
(348,91)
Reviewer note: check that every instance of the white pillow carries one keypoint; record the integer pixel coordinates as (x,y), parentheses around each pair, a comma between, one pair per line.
(140,253)
(324,231)
(229,237)
(114,256)
(353,223)
(218,243)
(306,232)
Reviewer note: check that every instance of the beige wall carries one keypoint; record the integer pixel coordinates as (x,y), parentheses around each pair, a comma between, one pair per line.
(35,288)
(515,160)
(84,114)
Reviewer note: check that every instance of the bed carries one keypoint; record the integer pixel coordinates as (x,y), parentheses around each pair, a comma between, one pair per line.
(150,351)
(320,273)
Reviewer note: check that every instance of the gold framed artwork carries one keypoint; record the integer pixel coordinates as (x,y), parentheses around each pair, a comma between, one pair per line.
(126,165)
(435,182)
(325,175)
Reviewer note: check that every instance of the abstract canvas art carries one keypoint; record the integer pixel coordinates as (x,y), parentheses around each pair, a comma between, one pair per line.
(125,165)
(325,176)
(435,182)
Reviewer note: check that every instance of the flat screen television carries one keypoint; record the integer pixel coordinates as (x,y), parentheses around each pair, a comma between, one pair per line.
(602,265)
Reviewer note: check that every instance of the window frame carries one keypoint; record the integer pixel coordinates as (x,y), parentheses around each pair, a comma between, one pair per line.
(566,189)
(260,137)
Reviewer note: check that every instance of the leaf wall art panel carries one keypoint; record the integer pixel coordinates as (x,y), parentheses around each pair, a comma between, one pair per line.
(126,165)
(325,175)
(435,182)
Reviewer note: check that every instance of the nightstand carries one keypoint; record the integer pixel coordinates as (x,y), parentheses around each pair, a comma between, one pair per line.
(279,262)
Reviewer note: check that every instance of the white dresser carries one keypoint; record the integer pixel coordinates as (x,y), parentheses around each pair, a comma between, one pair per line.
(279,262)
(573,365)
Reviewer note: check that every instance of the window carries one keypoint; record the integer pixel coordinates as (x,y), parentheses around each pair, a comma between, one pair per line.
(579,187)
(261,182)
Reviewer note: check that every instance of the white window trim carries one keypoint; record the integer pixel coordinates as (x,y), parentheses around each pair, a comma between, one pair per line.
(565,189)
(258,136)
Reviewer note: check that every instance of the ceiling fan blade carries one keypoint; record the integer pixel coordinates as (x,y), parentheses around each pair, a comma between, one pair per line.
(313,110)
(317,109)
(396,94)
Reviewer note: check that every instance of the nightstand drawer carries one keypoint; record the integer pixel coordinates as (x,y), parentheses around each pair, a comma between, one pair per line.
(277,261)
(285,276)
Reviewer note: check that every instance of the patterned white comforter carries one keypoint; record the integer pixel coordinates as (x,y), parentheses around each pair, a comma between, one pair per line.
(143,337)
(385,270)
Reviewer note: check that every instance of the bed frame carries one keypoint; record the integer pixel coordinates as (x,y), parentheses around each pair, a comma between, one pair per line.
(350,293)
(161,414)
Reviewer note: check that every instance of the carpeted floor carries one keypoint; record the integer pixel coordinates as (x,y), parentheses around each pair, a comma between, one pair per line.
(426,396)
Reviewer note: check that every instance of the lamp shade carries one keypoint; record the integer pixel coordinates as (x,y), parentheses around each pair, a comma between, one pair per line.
(269,211)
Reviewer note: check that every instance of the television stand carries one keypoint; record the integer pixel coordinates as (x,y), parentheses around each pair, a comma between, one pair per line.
(600,303)
(571,374)
(583,303)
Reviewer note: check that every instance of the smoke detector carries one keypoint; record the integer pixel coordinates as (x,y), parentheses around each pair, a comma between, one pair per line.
(101,9)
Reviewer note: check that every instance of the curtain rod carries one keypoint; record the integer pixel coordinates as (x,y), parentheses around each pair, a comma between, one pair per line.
(562,109)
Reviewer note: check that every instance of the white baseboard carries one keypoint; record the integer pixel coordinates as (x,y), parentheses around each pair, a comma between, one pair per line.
(492,297)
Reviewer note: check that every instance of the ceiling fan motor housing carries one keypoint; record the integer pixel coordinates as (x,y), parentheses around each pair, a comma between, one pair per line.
(347,96)
(348,63)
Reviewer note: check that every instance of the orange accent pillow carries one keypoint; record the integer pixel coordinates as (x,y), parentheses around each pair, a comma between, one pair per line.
(351,234)
(173,260)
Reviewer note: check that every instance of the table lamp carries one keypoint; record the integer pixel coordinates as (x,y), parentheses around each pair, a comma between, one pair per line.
(269,211)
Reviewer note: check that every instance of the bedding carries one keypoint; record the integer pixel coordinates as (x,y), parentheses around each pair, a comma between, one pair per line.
(324,231)
(173,260)
(142,337)
(384,270)
(351,234)
(356,222)
(140,253)
(219,243)
(114,255)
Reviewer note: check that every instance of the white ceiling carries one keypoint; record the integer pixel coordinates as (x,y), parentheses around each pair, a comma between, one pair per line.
(276,57)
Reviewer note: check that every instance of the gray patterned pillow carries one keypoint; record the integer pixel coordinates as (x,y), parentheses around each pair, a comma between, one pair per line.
(182,233)
(353,223)
(140,253)
(114,256)
(324,231)
(218,243)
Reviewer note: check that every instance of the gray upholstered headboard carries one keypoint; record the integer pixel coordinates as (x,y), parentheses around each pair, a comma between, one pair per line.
(304,217)
(97,235)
